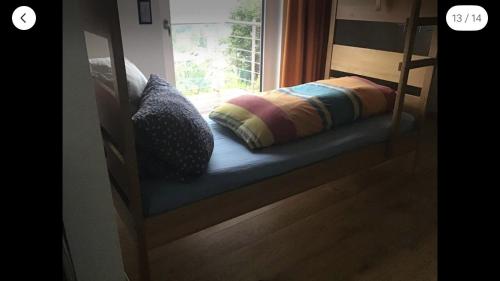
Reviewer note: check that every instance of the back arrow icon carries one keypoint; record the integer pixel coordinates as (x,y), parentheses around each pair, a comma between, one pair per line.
(22,17)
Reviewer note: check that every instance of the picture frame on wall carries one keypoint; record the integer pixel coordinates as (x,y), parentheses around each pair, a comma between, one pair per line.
(144,10)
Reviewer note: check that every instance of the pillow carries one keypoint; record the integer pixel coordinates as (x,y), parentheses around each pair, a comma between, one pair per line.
(286,114)
(172,138)
(100,69)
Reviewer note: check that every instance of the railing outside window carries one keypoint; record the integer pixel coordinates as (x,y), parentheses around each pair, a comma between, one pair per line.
(216,61)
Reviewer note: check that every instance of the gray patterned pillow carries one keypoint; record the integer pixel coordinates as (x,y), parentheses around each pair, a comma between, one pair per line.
(172,138)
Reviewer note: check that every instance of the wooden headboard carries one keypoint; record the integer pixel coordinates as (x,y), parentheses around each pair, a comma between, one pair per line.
(100,18)
(379,65)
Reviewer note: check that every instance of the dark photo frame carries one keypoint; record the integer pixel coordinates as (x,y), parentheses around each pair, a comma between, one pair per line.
(144,11)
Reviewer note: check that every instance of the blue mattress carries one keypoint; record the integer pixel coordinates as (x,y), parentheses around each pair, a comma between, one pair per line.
(233,165)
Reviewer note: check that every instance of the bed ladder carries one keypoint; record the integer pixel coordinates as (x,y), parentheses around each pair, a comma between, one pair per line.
(412,23)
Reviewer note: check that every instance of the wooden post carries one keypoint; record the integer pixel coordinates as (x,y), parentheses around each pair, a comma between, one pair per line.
(429,75)
(411,25)
(424,99)
(117,58)
(331,38)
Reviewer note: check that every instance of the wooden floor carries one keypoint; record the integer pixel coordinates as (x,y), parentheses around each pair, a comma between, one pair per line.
(378,225)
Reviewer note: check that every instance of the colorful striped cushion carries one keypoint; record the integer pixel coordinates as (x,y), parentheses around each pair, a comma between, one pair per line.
(285,114)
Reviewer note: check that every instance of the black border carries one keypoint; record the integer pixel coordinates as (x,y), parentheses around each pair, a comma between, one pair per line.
(32,141)
(467,148)
(467,145)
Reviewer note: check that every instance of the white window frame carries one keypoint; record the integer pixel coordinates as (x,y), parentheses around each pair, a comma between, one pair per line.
(271,44)
(272,33)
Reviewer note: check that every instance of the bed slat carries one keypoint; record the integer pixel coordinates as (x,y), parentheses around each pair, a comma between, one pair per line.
(117,170)
(391,10)
(419,63)
(410,90)
(108,108)
(374,63)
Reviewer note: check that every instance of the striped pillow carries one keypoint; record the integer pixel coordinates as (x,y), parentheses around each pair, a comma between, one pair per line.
(286,114)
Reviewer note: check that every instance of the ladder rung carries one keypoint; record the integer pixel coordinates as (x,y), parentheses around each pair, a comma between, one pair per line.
(419,63)
(427,21)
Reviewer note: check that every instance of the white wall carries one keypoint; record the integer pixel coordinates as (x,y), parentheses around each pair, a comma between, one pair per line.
(142,43)
(205,11)
(272,44)
(87,204)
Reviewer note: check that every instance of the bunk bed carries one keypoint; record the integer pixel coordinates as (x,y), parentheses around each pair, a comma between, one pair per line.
(248,181)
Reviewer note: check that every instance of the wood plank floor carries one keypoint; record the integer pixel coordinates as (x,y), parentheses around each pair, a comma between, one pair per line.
(376,225)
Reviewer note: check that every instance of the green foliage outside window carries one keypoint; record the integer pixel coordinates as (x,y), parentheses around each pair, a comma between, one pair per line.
(240,42)
(207,60)
(191,77)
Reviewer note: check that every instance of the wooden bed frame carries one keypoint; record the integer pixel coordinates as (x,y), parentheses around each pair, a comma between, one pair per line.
(101,18)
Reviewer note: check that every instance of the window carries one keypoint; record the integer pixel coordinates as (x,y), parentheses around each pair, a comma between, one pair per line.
(217,52)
